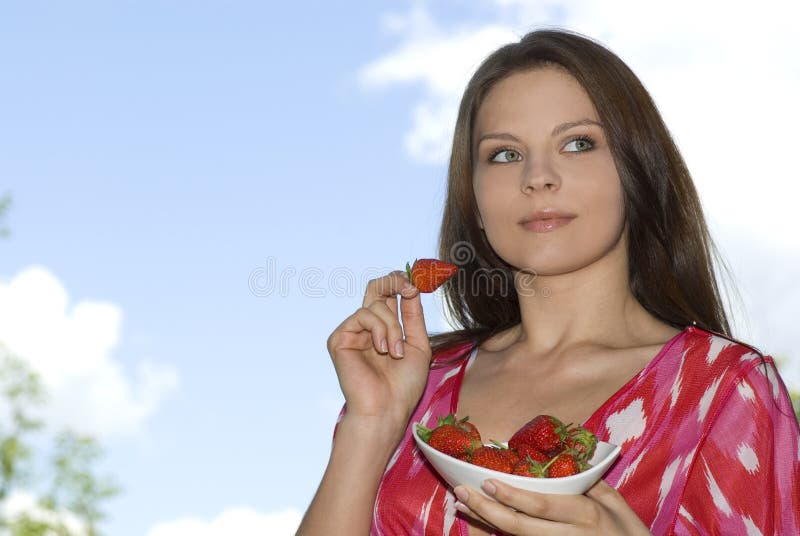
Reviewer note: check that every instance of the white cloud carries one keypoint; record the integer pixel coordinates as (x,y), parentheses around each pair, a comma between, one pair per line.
(442,63)
(239,521)
(724,79)
(71,346)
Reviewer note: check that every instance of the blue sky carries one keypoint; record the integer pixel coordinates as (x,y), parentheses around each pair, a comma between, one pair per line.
(164,157)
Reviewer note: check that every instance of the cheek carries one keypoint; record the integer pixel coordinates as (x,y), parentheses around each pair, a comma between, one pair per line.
(603,198)
(495,214)
(610,206)
(488,201)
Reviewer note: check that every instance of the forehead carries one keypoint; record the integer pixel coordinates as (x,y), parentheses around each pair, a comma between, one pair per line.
(540,97)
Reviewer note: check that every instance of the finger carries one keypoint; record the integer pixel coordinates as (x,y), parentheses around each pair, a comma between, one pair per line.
(394,330)
(611,499)
(386,287)
(503,517)
(464,509)
(351,332)
(571,509)
(482,523)
(414,321)
(603,493)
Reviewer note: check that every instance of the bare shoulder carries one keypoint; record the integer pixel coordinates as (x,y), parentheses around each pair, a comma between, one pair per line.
(656,333)
(649,343)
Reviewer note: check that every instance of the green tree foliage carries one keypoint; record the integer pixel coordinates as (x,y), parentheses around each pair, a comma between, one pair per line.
(68,497)
(20,392)
(5,203)
(795,394)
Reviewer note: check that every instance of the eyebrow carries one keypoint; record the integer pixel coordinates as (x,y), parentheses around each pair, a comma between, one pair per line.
(563,127)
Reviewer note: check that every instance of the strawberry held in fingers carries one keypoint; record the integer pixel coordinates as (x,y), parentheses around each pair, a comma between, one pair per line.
(429,274)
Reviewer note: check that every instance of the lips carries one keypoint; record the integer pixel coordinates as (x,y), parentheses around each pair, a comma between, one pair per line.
(546,220)
(546,214)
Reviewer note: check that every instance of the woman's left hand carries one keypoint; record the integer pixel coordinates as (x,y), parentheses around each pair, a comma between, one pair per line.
(601,510)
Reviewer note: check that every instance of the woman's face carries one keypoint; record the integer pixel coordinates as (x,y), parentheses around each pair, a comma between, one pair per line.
(539,149)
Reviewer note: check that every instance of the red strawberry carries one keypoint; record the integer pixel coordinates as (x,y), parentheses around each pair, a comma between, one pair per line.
(530,467)
(544,432)
(492,458)
(563,465)
(429,274)
(473,430)
(511,454)
(581,442)
(535,454)
(451,437)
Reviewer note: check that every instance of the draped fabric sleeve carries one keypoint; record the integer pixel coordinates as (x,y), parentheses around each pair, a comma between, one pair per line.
(745,473)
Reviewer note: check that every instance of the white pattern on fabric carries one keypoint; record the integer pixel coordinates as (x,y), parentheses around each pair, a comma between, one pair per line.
(717,345)
(666,480)
(706,399)
(748,458)
(716,493)
(626,424)
(752,530)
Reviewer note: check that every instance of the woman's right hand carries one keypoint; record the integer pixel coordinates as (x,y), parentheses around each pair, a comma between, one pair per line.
(380,381)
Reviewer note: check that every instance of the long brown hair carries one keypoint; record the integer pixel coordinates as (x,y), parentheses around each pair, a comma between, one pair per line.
(670,251)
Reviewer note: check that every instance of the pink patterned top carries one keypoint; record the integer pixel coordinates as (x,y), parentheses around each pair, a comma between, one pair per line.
(710,445)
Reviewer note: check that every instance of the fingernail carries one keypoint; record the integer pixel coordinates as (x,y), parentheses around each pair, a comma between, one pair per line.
(489,488)
(384,346)
(461,507)
(461,493)
(398,348)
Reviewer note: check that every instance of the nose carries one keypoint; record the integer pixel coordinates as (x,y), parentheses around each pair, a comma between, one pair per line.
(538,174)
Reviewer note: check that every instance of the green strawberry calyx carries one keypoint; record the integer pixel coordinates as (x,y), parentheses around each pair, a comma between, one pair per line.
(409,268)
(424,432)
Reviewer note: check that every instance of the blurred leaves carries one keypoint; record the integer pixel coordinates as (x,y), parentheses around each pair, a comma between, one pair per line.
(5,204)
(21,392)
(794,391)
(75,486)
(73,492)
(795,394)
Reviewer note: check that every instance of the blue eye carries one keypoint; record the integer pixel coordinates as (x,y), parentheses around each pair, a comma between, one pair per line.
(582,144)
(505,156)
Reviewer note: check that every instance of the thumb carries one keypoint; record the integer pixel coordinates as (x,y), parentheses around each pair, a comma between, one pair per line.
(414,321)
(604,494)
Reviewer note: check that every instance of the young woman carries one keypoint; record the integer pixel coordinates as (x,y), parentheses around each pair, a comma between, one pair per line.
(587,292)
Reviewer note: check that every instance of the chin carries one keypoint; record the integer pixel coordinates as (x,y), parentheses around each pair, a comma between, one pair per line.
(555,265)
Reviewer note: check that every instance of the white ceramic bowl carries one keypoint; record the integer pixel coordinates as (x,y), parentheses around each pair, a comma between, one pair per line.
(456,472)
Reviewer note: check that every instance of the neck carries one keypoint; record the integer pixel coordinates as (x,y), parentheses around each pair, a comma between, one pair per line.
(593,305)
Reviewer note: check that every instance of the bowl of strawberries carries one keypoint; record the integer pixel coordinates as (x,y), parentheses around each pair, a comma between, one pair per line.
(545,455)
